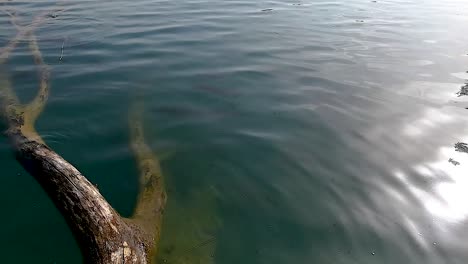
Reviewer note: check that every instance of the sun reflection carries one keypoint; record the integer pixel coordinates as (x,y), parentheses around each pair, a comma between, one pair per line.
(443,199)
(431,172)
(432,119)
(448,199)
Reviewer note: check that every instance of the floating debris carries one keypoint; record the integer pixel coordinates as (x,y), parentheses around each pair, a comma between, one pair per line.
(359,21)
(463,90)
(61,51)
(461,147)
(267,10)
(454,162)
(52,15)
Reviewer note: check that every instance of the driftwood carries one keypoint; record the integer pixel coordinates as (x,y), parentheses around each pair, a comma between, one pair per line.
(188,232)
(102,234)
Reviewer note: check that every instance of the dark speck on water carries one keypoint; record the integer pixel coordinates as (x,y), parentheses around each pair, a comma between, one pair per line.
(454,162)
(463,91)
(461,147)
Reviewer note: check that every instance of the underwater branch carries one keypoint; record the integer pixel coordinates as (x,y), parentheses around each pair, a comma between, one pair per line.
(102,234)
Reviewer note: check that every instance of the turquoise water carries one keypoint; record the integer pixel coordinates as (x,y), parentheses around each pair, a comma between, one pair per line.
(320,131)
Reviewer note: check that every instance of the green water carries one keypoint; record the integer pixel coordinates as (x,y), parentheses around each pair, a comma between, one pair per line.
(288,131)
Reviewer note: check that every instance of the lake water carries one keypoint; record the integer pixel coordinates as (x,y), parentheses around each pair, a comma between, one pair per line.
(302,131)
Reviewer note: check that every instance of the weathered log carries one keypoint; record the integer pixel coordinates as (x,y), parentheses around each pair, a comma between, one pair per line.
(102,234)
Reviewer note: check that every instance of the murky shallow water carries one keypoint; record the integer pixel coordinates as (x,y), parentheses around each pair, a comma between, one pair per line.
(294,131)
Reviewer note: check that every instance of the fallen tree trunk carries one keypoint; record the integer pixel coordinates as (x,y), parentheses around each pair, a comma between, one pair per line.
(102,234)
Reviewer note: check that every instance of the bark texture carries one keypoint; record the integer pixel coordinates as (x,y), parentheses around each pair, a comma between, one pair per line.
(102,234)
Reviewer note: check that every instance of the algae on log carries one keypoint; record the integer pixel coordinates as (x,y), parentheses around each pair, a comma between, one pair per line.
(102,234)
(189,228)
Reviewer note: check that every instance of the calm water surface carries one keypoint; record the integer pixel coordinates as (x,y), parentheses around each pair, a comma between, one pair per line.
(294,131)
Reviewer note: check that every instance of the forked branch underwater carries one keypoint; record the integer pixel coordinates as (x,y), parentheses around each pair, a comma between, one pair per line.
(102,234)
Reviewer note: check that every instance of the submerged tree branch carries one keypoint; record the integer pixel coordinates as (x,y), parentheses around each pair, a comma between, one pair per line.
(24,31)
(35,107)
(152,198)
(102,234)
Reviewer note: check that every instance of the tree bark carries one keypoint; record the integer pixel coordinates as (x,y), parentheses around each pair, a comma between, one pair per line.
(102,234)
